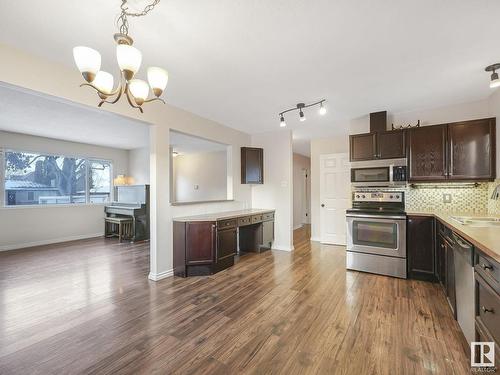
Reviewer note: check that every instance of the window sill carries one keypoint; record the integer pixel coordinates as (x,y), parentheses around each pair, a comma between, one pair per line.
(40,206)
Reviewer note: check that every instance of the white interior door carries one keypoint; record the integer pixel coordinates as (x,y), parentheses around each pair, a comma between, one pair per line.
(335,197)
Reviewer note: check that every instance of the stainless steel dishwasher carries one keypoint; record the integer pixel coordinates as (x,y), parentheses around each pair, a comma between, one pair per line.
(464,285)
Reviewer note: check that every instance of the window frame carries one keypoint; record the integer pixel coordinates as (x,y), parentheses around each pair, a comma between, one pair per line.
(4,205)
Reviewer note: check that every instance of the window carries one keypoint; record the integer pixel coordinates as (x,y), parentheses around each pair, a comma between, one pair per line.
(39,179)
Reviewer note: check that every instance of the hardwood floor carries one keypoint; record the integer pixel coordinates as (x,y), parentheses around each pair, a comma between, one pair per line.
(87,307)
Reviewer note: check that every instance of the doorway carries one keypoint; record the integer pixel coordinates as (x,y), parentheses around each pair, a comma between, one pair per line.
(335,190)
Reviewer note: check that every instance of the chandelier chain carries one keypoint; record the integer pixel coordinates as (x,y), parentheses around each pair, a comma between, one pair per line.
(122,18)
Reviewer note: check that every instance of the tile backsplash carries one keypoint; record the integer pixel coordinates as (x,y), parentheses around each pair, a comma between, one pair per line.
(465,198)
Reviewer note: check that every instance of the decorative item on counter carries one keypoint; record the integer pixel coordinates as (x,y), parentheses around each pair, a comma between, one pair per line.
(122,180)
(496,193)
(409,126)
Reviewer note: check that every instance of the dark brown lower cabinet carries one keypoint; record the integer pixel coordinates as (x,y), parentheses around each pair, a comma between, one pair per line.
(421,251)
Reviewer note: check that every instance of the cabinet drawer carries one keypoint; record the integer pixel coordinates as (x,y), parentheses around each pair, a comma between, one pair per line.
(256,219)
(489,270)
(268,216)
(242,221)
(224,224)
(488,307)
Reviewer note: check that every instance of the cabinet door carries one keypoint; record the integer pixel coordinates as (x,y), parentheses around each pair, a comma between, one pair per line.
(391,144)
(267,233)
(441,261)
(226,243)
(427,153)
(200,242)
(472,150)
(363,147)
(421,253)
(252,165)
(450,278)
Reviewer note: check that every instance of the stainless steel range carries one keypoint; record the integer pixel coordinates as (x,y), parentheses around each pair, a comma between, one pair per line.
(376,233)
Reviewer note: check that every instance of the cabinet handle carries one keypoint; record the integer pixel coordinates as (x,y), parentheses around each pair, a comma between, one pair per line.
(442,246)
(486,267)
(485,310)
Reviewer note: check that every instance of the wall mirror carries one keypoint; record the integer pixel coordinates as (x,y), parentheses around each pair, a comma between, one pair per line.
(200,170)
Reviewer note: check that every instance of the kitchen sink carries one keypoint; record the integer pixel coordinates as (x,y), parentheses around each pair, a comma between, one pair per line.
(476,221)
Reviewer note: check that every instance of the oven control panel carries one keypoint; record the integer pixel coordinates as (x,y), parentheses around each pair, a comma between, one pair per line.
(378,196)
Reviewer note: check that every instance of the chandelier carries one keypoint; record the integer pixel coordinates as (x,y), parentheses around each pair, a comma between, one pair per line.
(129,60)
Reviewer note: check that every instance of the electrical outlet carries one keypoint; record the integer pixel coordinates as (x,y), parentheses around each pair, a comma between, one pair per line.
(446,198)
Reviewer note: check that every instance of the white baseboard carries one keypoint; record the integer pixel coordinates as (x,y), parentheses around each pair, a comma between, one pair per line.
(161,275)
(315,239)
(49,242)
(282,248)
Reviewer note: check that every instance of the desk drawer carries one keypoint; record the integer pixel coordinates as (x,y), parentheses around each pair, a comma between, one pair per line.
(256,219)
(242,221)
(268,216)
(489,270)
(488,307)
(228,223)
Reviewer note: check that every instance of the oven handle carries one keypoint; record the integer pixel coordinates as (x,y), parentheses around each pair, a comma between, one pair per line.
(395,217)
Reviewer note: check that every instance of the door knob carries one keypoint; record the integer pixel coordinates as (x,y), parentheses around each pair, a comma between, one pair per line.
(322,205)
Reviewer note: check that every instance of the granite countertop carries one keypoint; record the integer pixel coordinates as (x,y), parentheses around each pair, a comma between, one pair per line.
(486,239)
(223,215)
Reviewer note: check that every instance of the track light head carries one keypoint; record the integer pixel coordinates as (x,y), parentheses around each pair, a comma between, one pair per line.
(322,109)
(282,121)
(302,117)
(494,80)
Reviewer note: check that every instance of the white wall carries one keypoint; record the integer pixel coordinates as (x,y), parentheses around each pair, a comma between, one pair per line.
(205,170)
(276,192)
(138,165)
(301,192)
(30,226)
(494,111)
(29,71)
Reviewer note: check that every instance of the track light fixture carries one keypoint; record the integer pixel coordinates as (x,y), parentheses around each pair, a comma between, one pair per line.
(494,81)
(300,107)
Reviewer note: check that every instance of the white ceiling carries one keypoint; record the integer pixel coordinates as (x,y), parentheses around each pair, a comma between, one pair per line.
(24,111)
(188,144)
(241,62)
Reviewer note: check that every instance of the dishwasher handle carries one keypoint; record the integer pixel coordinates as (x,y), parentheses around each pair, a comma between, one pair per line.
(463,247)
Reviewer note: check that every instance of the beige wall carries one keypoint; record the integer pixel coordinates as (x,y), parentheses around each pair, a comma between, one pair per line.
(30,226)
(276,192)
(301,192)
(206,170)
(138,165)
(25,70)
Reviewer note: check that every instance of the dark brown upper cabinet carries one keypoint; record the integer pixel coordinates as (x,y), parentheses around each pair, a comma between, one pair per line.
(458,151)
(381,145)
(252,165)
(363,147)
(472,150)
(427,153)
(391,144)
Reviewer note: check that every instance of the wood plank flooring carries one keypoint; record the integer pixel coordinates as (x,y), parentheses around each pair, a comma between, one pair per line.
(87,307)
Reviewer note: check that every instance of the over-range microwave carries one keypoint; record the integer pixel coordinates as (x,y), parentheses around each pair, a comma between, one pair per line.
(389,172)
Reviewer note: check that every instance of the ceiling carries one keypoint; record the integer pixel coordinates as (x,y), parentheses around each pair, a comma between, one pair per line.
(241,62)
(185,144)
(24,111)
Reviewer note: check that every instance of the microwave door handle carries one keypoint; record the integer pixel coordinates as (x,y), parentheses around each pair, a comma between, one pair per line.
(391,173)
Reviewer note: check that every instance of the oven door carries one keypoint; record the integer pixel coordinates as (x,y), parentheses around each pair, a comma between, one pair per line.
(374,234)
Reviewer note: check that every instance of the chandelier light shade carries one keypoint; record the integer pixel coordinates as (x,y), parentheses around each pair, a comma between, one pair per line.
(129,61)
(88,61)
(139,90)
(300,107)
(158,79)
(104,81)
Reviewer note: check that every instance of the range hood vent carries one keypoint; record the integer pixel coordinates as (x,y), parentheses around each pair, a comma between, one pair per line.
(378,122)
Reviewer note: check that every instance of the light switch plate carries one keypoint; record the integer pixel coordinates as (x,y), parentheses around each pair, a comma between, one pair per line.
(446,198)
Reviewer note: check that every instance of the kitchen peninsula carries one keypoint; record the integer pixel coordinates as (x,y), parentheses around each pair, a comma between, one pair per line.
(206,244)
